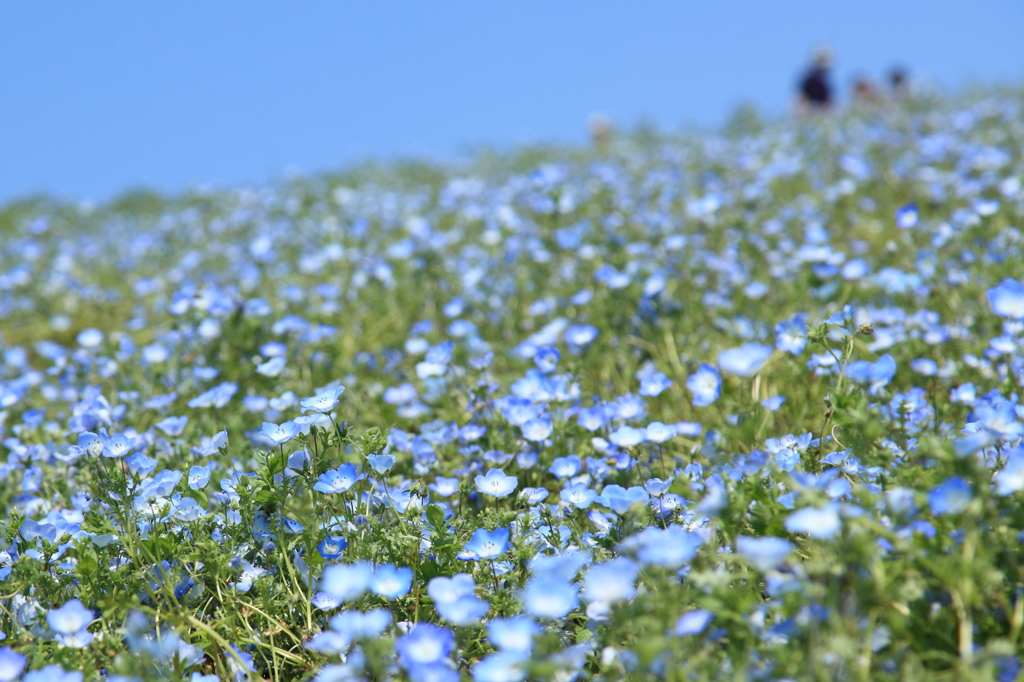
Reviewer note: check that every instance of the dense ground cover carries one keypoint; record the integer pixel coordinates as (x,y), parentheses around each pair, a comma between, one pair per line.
(739,406)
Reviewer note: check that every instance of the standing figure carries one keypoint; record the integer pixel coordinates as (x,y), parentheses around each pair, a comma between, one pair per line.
(816,87)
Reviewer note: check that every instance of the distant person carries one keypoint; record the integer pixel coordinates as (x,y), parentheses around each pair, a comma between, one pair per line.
(600,129)
(865,94)
(816,86)
(898,83)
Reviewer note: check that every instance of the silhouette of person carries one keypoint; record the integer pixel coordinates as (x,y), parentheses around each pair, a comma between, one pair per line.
(898,82)
(816,86)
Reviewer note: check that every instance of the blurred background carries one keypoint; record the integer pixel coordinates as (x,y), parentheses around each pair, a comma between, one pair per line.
(99,98)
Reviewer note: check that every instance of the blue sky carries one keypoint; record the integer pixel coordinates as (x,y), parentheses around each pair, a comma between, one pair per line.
(96,98)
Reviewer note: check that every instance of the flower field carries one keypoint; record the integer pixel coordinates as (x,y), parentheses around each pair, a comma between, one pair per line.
(737,406)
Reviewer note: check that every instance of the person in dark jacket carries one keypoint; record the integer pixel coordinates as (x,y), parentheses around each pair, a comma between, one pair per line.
(816,85)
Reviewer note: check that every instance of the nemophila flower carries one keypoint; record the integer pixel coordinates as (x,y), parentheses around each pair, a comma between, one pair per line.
(592,418)
(546,359)
(337,480)
(425,644)
(627,436)
(764,553)
(52,673)
(672,547)
(820,523)
(465,610)
(565,467)
(485,544)
(218,396)
(272,367)
(323,402)
(11,664)
(534,496)
(444,487)
(657,432)
(550,597)
(611,581)
(655,384)
(877,373)
(69,622)
(579,335)
(496,483)
(172,426)
(390,581)
(773,403)
(400,395)
(199,476)
(140,465)
(693,622)
(381,463)
(745,361)
(280,433)
(513,634)
(1010,478)
(503,666)
(620,499)
(907,216)
(657,487)
(347,582)
(578,495)
(537,429)
(1007,299)
(706,385)
(447,590)
(952,496)
(791,335)
(90,338)
(332,546)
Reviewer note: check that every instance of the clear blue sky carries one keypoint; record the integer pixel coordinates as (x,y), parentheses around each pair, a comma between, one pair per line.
(97,97)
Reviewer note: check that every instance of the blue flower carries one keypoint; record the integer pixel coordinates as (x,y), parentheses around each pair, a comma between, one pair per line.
(218,396)
(391,581)
(280,433)
(323,402)
(745,361)
(503,666)
(764,553)
(654,384)
(907,217)
(693,622)
(346,582)
(337,480)
(565,467)
(485,545)
(550,597)
(818,523)
(1007,299)
(537,429)
(381,463)
(11,664)
(332,546)
(791,335)
(953,496)
(272,367)
(627,436)
(69,619)
(706,385)
(611,581)
(513,634)
(172,426)
(465,610)
(496,483)
(620,499)
(578,495)
(425,644)
(546,358)
(199,476)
